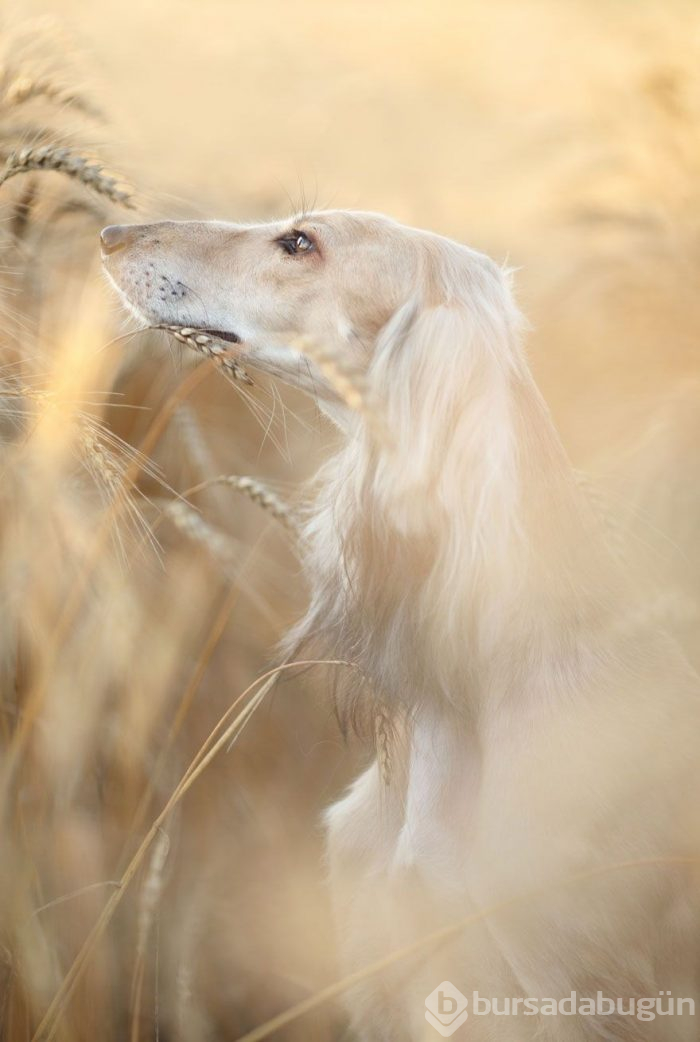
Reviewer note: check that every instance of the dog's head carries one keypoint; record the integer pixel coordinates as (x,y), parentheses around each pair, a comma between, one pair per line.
(346,281)
(470,460)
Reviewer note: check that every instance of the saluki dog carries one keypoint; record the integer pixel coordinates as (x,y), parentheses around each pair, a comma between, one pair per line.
(528,828)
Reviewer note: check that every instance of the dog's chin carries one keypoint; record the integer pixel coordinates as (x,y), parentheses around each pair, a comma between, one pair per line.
(281,363)
(298,372)
(284,364)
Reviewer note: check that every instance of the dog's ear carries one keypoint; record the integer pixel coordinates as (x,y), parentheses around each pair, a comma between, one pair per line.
(444,374)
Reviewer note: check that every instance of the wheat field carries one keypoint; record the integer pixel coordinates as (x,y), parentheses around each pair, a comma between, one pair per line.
(161,868)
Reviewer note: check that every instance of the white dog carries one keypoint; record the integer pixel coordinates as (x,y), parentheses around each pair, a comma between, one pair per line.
(539,739)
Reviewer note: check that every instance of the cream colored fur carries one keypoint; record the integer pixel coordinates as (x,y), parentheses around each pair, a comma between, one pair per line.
(544,737)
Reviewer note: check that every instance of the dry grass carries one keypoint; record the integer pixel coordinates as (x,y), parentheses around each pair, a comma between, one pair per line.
(150,884)
(111,627)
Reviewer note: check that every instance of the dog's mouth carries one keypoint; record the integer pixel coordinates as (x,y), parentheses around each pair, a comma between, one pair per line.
(222,334)
(199,337)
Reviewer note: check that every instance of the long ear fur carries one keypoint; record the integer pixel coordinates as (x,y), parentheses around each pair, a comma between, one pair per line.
(446,382)
(429,545)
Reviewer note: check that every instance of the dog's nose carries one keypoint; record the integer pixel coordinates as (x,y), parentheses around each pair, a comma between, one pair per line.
(115,237)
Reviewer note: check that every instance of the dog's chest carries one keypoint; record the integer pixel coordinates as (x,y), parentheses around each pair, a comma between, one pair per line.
(417,822)
(440,794)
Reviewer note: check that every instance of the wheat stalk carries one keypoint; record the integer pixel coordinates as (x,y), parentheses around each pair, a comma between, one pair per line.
(65,161)
(209,346)
(225,731)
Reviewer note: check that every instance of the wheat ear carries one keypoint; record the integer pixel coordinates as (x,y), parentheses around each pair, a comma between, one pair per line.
(65,161)
(150,898)
(347,382)
(99,459)
(382,735)
(613,530)
(27,88)
(152,890)
(193,525)
(210,346)
(255,490)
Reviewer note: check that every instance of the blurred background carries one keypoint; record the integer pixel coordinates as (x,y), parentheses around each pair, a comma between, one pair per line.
(560,137)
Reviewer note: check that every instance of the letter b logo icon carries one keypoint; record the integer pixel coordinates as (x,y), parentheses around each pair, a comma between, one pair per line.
(447,1004)
(446,1008)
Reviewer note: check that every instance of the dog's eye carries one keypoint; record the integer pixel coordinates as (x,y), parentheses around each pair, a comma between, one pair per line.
(297,242)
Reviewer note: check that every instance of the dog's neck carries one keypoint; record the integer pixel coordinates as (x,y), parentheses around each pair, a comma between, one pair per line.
(443,590)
